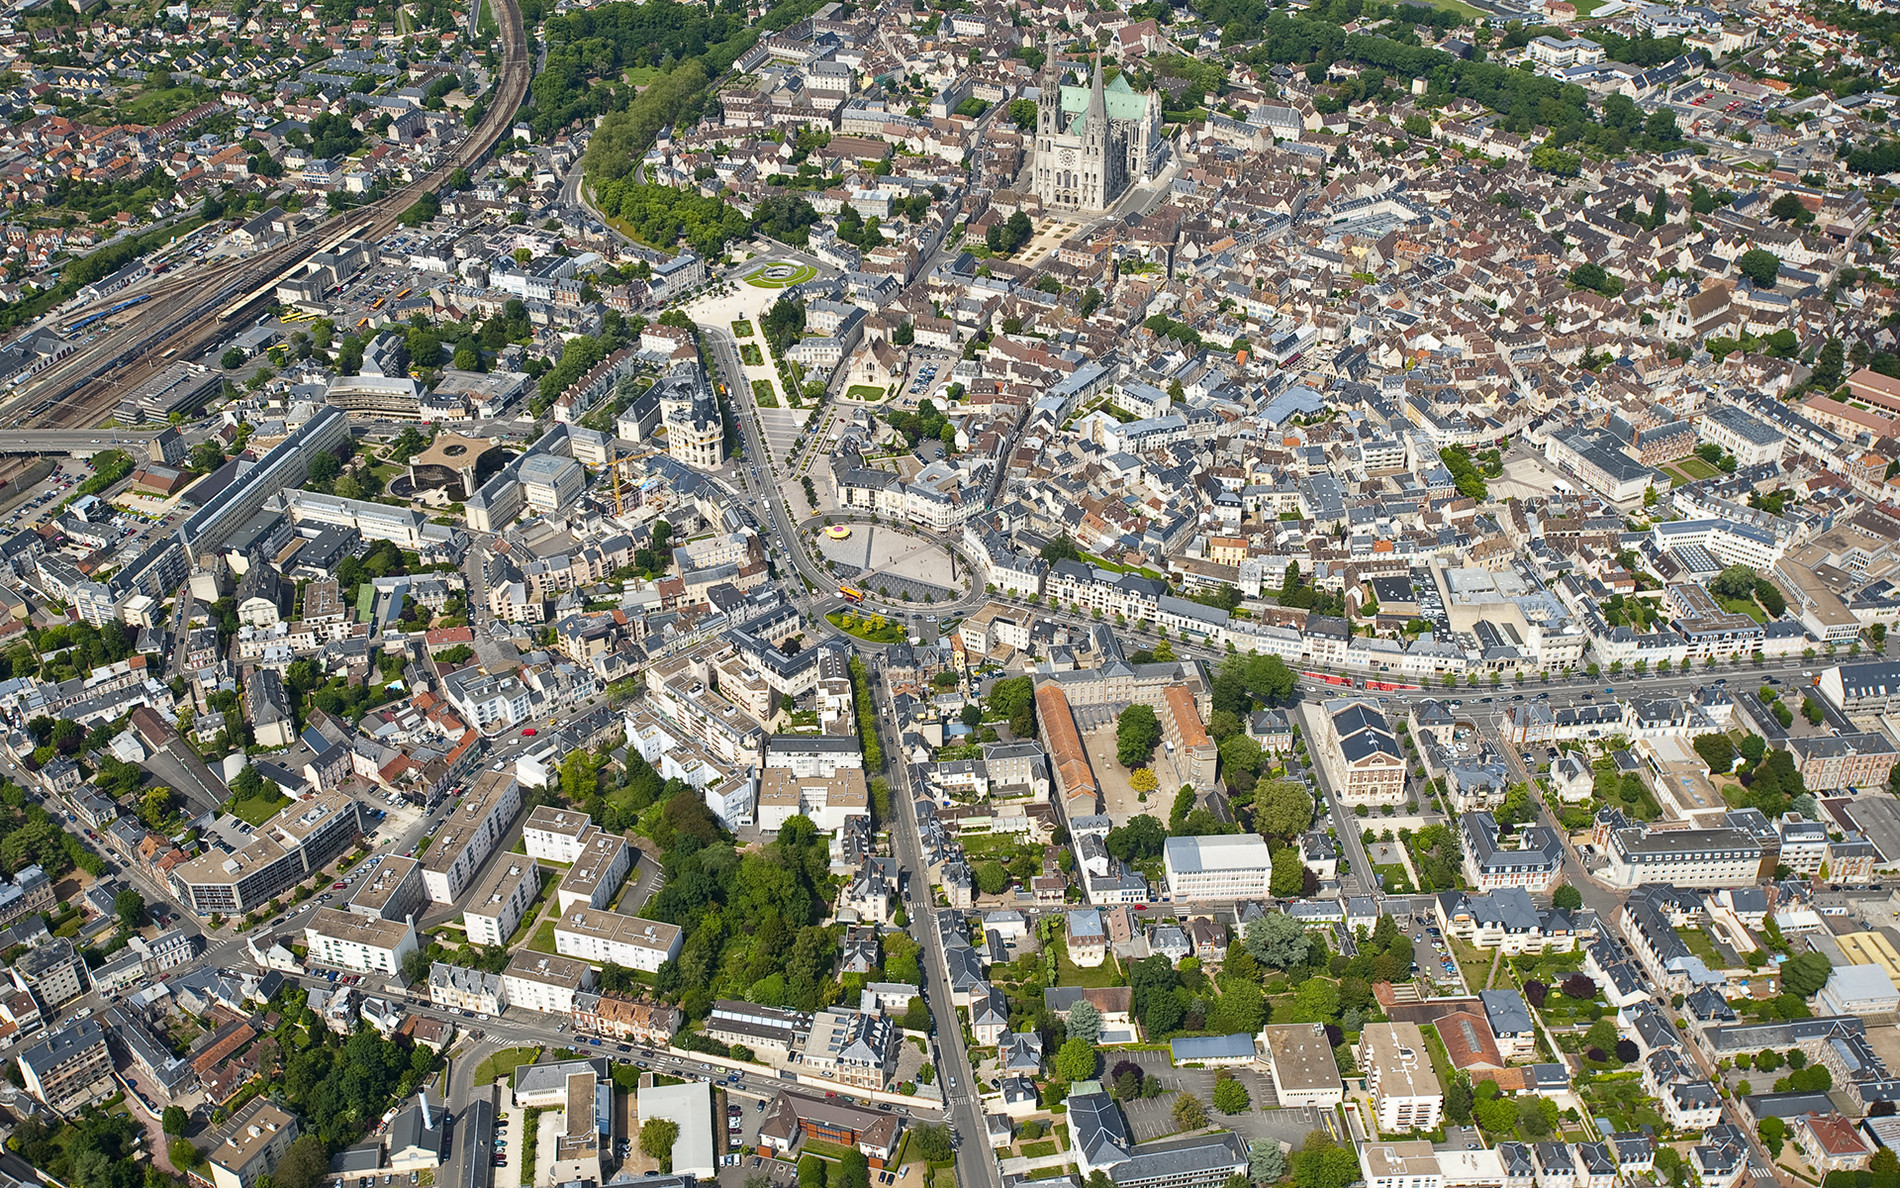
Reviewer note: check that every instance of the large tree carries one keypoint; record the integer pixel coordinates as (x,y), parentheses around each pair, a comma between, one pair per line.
(657,1136)
(1759,265)
(1085,1022)
(1136,735)
(1282,808)
(1277,940)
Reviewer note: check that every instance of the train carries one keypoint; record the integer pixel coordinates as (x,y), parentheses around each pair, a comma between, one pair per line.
(89,319)
(1329,678)
(1388,686)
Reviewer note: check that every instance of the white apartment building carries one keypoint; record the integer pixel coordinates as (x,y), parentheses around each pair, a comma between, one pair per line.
(344,940)
(554,834)
(1233,866)
(608,938)
(545,982)
(469,835)
(495,910)
(1683,857)
(598,871)
(1400,1165)
(1405,1090)
(828,801)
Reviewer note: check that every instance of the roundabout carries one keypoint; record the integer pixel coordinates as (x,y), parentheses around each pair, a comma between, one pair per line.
(780,275)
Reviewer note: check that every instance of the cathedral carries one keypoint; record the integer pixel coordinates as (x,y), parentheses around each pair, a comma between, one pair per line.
(1094,141)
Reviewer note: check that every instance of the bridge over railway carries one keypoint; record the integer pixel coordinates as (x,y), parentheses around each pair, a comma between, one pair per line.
(80,443)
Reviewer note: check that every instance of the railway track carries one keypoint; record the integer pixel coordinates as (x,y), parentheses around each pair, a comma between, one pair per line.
(180,320)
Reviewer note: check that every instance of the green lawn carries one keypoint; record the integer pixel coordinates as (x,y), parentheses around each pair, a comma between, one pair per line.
(742,329)
(1068,973)
(1396,881)
(1676,477)
(762,392)
(256,810)
(1038,1150)
(640,76)
(543,941)
(502,1064)
(750,355)
(798,275)
(1700,944)
(156,106)
(864,392)
(1695,467)
(866,629)
(1743,606)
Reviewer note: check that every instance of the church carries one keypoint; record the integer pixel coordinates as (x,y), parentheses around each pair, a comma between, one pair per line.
(1094,141)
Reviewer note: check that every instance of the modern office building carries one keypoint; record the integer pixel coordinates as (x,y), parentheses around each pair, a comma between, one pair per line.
(1229,867)
(1301,1062)
(284,851)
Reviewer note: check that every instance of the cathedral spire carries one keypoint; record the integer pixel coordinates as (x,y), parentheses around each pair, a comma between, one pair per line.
(1098,106)
(1051,72)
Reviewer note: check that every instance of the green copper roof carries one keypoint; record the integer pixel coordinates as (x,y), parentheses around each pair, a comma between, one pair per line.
(1122,103)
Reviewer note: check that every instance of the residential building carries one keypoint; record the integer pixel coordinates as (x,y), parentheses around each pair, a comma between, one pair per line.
(463,988)
(250,1144)
(545,982)
(497,907)
(469,834)
(361,944)
(69,1067)
(604,938)
(1406,1093)
(284,851)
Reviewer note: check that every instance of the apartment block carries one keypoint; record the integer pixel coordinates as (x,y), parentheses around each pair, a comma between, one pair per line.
(554,833)
(599,868)
(495,910)
(69,1067)
(392,891)
(345,940)
(469,835)
(608,938)
(1406,1093)
(250,1144)
(545,982)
